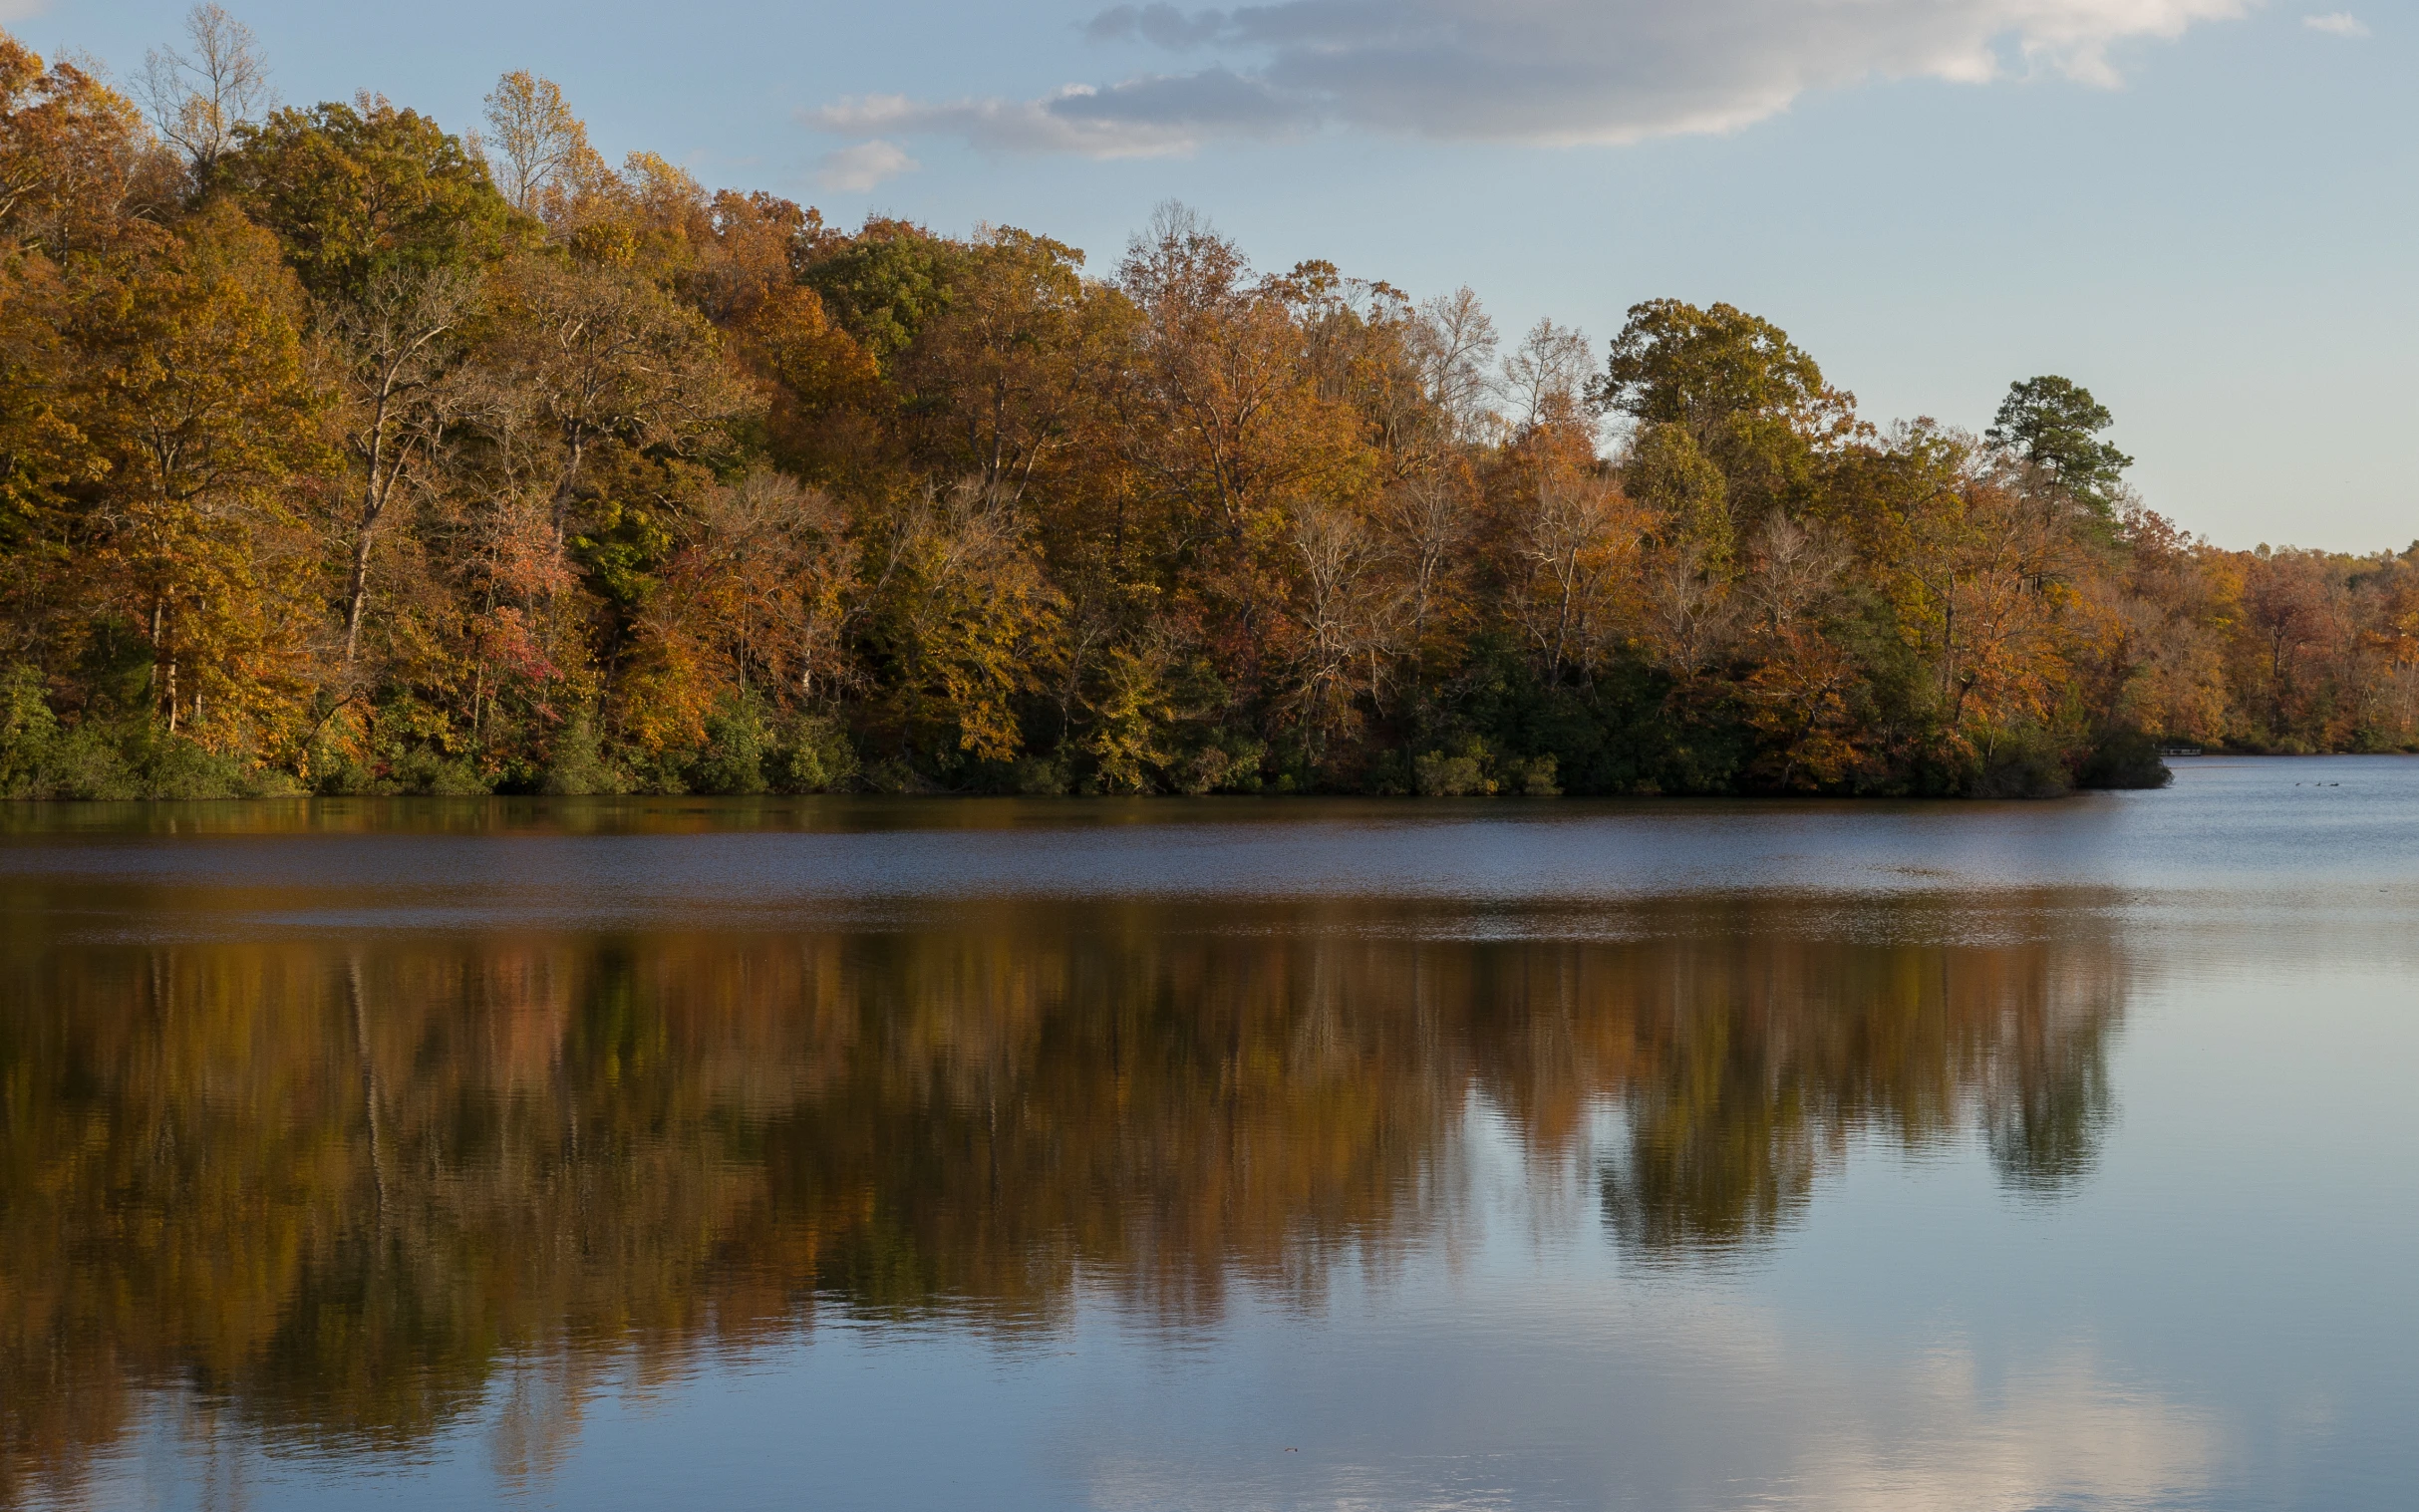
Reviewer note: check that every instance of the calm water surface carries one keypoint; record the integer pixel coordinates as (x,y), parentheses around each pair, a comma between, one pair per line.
(851,1155)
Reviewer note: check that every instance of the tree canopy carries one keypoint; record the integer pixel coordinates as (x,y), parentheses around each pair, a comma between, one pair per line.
(2054,425)
(342,452)
(355,190)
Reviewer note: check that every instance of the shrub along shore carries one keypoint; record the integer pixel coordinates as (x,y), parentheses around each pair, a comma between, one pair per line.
(344,454)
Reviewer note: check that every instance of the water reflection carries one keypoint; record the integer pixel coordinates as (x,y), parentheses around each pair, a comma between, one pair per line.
(343,1193)
(1748,1066)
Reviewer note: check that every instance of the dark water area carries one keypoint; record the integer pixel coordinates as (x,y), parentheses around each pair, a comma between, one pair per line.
(1216,1154)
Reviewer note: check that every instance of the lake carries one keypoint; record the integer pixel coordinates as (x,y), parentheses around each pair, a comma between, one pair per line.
(857,1153)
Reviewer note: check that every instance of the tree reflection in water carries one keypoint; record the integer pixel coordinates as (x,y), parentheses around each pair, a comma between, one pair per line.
(340,1192)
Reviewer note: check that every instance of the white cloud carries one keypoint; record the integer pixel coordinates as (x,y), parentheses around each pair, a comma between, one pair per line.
(1551,72)
(2338,24)
(22,10)
(1141,117)
(855,170)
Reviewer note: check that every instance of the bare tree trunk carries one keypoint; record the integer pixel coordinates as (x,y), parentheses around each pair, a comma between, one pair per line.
(356,587)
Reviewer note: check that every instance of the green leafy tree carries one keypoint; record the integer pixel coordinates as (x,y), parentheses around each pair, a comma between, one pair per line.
(2054,425)
(1755,405)
(356,192)
(1676,364)
(885,283)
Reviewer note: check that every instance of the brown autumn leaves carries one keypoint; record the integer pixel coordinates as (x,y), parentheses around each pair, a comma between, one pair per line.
(341,454)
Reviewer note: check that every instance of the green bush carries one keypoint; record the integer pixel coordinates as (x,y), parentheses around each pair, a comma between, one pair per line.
(101,759)
(1438,776)
(2020,764)
(733,758)
(29,734)
(2124,758)
(580,765)
(1534,779)
(812,753)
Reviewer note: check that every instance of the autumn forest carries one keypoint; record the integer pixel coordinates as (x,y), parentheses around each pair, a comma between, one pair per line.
(343,453)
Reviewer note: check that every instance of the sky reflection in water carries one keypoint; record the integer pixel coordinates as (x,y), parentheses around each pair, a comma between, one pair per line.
(1216,1155)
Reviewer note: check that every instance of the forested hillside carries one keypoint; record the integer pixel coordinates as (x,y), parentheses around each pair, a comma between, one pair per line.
(341,452)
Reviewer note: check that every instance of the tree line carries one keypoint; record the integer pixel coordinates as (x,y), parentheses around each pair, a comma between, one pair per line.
(343,454)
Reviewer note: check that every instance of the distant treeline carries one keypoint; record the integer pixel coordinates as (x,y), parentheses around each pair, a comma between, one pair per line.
(339,453)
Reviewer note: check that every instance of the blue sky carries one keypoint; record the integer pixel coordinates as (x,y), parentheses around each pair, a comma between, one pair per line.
(2206,210)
